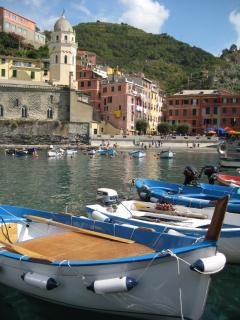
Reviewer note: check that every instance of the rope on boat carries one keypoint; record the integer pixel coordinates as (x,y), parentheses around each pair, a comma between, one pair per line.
(77,274)
(172,254)
(148,266)
(158,238)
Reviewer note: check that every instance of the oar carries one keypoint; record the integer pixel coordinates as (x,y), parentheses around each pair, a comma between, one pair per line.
(26,252)
(77,229)
(215,226)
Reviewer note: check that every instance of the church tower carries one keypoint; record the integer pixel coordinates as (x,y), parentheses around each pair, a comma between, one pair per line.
(63,52)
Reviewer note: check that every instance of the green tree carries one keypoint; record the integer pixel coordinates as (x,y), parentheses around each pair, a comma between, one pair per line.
(183,128)
(163,128)
(142,125)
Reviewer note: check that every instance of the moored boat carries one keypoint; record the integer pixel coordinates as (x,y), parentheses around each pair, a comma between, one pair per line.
(201,195)
(137,154)
(164,217)
(71,152)
(166,154)
(93,265)
(228,180)
(229,162)
(107,152)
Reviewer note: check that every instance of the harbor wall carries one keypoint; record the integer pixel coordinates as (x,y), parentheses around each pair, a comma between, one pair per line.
(42,132)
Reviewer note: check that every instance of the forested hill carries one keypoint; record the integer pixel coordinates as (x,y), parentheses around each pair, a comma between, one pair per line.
(174,64)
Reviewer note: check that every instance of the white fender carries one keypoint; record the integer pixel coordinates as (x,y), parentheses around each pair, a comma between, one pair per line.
(112,285)
(39,280)
(129,226)
(96,215)
(212,264)
(175,232)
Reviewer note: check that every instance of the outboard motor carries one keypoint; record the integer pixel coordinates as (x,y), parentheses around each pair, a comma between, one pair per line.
(107,196)
(191,175)
(210,171)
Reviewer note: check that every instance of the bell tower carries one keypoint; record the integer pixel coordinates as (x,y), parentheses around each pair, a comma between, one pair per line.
(63,52)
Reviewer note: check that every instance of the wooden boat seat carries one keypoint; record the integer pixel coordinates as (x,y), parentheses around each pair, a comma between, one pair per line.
(76,246)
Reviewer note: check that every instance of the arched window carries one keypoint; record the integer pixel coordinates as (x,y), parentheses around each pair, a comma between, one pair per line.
(65,38)
(51,98)
(24,112)
(49,113)
(65,59)
(57,38)
(56,59)
(1,111)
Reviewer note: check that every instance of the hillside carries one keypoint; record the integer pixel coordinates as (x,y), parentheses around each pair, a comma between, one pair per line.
(174,64)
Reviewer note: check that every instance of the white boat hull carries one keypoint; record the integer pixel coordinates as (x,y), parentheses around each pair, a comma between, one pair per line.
(163,299)
(234,163)
(166,155)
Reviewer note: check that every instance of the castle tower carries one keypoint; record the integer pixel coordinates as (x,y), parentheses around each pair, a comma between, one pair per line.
(63,52)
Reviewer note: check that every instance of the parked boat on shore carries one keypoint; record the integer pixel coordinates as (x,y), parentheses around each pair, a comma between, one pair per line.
(92,265)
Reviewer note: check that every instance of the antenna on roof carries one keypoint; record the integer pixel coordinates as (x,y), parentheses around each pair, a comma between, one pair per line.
(63,12)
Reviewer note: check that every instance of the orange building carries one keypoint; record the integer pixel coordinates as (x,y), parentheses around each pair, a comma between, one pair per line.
(12,22)
(203,109)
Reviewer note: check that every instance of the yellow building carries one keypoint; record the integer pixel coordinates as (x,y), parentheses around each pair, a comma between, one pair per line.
(155,111)
(17,68)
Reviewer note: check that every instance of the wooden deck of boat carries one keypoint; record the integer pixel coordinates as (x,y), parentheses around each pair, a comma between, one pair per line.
(76,246)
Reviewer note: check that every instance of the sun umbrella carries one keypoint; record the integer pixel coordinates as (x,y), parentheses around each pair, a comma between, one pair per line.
(227,128)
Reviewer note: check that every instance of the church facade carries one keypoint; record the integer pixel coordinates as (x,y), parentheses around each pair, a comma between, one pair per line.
(57,100)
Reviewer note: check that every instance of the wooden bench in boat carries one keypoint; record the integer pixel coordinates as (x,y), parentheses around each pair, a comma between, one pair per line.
(76,246)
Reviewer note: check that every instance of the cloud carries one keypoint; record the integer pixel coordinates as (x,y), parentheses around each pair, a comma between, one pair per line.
(234,18)
(148,15)
(82,8)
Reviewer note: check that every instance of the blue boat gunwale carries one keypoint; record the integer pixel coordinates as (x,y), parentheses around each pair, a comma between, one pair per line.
(146,257)
(60,217)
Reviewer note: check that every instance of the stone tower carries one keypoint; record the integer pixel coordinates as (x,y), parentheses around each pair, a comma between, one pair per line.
(63,52)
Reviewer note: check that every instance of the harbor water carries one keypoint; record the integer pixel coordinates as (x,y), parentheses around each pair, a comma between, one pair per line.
(70,183)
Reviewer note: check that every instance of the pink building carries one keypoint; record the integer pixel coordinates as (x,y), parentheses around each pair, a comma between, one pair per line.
(121,103)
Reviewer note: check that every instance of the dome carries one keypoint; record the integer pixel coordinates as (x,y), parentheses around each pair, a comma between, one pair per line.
(62,24)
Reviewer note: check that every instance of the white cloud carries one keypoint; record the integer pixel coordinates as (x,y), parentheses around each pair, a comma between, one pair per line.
(234,18)
(82,8)
(148,15)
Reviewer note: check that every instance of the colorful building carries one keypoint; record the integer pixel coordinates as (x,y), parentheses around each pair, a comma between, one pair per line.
(89,84)
(202,109)
(86,58)
(17,68)
(12,22)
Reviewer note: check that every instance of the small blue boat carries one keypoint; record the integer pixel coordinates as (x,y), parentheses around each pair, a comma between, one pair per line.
(137,154)
(106,152)
(199,196)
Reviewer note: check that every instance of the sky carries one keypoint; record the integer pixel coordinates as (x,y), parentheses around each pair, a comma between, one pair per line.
(211,25)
